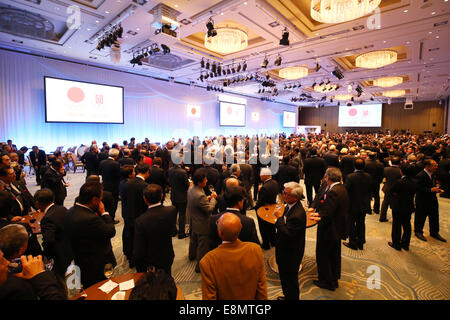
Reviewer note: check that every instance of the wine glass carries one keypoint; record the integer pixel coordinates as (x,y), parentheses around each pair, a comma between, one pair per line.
(48,263)
(211,188)
(109,270)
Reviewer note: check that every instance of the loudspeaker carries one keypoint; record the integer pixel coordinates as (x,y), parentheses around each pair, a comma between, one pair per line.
(434,124)
(324,124)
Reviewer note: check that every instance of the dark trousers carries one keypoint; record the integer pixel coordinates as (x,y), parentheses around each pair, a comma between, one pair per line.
(357,230)
(376,196)
(267,231)
(309,188)
(433,217)
(401,220)
(288,271)
(128,240)
(181,208)
(198,247)
(39,173)
(385,206)
(328,258)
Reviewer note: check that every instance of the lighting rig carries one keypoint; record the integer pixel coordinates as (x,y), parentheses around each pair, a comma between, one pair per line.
(110,37)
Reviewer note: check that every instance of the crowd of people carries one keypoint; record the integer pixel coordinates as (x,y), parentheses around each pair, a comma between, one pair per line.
(209,200)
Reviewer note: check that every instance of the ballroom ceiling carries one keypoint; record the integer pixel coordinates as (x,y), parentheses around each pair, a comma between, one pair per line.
(417,30)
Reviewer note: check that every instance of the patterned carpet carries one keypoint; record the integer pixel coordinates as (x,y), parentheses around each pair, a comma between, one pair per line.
(422,273)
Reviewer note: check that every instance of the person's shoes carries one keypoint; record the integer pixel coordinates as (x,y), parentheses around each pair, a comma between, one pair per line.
(421,236)
(438,237)
(182,236)
(396,248)
(384,220)
(336,285)
(197,269)
(405,248)
(348,245)
(361,247)
(281,298)
(323,285)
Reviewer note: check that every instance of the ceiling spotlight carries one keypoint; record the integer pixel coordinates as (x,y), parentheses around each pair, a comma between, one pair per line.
(352,99)
(328,82)
(202,63)
(331,100)
(201,78)
(213,67)
(349,104)
(321,83)
(267,76)
(278,61)
(338,104)
(314,84)
(285,38)
(207,65)
(206,76)
(228,70)
(233,70)
(239,68)
(165,48)
(264,63)
(211,31)
(211,75)
(338,74)
(317,67)
(244,67)
(371,99)
(219,69)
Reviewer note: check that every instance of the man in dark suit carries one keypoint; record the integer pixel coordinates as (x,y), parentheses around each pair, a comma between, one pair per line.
(90,234)
(247,179)
(91,160)
(134,205)
(426,201)
(153,233)
(179,183)
(53,226)
(358,185)
(38,160)
(286,173)
(347,163)
(235,199)
(391,174)
(267,195)
(158,176)
(402,205)
(313,169)
(126,159)
(376,170)
(291,228)
(53,180)
(331,157)
(333,226)
(24,201)
(109,169)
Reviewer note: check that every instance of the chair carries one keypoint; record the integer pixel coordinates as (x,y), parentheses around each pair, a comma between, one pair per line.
(76,162)
(30,164)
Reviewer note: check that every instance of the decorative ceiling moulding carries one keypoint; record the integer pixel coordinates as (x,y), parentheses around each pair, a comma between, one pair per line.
(337,11)
(82,9)
(93,4)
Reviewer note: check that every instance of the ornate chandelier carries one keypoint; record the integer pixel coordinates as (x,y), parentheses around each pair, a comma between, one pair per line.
(343,97)
(228,40)
(325,88)
(292,73)
(394,93)
(336,11)
(376,59)
(387,81)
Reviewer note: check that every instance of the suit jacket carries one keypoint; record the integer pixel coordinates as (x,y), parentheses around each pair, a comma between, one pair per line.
(53,181)
(358,185)
(110,171)
(91,161)
(391,174)
(179,182)
(246,176)
(157,176)
(133,199)
(286,173)
(314,169)
(24,201)
(376,170)
(38,160)
(234,271)
(347,165)
(291,228)
(126,161)
(199,210)
(267,194)
(403,192)
(90,239)
(247,234)
(332,159)
(153,238)
(333,210)
(55,240)
(425,199)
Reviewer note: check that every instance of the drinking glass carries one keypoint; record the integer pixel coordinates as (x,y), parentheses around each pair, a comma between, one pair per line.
(109,270)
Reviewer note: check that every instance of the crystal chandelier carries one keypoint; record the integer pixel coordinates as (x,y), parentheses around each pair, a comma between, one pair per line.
(325,88)
(336,11)
(292,73)
(343,97)
(227,40)
(387,81)
(394,93)
(376,59)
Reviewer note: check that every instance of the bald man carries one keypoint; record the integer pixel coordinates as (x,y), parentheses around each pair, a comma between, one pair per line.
(234,270)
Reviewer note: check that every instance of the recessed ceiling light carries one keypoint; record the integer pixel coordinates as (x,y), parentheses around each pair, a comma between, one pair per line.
(384,41)
(138,29)
(433,12)
(176,6)
(96,21)
(437,37)
(245,3)
(430,32)
(407,42)
(88,29)
(405,11)
(221,13)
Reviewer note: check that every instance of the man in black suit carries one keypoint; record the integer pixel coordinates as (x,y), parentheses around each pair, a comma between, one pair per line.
(153,233)
(53,180)
(24,201)
(313,169)
(91,160)
(134,205)
(391,174)
(158,176)
(358,185)
(291,228)
(333,226)
(426,201)
(376,170)
(126,159)
(331,157)
(53,227)
(267,195)
(347,163)
(286,173)
(247,179)
(90,234)
(235,199)
(179,183)
(38,160)
(109,169)
(402,205)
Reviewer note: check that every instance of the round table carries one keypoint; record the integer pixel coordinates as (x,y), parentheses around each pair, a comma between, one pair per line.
(94,293)
(267,213)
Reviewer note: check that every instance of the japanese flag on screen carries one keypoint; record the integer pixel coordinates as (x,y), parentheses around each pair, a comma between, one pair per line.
(193,111)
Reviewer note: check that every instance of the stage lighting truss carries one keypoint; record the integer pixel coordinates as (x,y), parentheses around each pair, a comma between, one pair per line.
(110,37)
(141,54)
